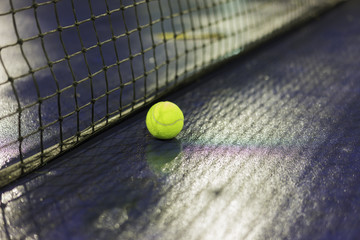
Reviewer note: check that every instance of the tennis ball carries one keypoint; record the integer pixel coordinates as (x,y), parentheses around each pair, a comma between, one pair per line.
(164,120)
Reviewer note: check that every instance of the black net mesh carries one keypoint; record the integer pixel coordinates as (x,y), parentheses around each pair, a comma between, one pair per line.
(69,68)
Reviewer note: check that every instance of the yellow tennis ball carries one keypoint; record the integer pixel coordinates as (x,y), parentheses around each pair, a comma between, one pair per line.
(164,120)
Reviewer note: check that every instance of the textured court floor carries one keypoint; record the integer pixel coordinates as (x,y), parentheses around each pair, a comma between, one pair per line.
(270,150)
(88,72)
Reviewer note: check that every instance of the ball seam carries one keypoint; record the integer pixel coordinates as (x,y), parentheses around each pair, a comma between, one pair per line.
(163,124)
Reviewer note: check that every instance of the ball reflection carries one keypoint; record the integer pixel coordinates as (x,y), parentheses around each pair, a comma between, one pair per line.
(160,154)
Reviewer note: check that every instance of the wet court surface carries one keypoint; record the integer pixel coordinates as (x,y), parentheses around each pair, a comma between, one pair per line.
(270,150)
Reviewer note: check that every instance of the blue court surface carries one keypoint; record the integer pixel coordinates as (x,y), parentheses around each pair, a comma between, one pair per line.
(72,66)
(270,150)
